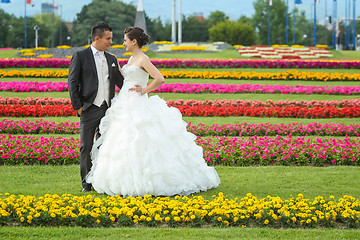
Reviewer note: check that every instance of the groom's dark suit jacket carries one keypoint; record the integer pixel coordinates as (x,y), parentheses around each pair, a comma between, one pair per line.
(83,80)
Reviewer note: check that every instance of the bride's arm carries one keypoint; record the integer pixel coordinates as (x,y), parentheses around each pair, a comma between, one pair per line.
(154,73)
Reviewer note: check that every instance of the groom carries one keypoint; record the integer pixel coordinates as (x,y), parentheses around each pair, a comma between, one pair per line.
(93,73)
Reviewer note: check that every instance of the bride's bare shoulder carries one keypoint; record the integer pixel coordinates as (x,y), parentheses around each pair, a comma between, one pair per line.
(144,59)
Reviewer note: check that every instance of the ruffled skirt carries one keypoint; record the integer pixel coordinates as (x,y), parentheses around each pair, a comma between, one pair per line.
(145,149)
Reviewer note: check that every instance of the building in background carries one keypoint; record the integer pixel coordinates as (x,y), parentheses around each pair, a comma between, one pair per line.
(50,8)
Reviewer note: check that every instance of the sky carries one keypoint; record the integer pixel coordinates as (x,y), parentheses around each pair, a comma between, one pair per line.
(163,8)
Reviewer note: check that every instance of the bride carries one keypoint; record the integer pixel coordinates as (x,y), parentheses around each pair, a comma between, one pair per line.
(144,148)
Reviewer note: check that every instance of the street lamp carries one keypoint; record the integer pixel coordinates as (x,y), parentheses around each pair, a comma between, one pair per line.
(36,28)
(305,37)
(60,42)
(68,38)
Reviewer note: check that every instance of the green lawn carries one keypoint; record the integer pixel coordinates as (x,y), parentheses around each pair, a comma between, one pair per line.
(203,96)
(8,53)
(345,54)
(235,181)
(174,233)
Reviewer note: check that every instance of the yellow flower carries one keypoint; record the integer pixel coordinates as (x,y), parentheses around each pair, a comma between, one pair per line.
(118,46)
(63,47)
(187,48)
(266,222)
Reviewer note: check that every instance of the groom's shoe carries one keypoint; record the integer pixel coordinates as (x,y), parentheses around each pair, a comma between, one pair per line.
(86,190)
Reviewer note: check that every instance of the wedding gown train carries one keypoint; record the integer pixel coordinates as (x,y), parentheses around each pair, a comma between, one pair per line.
(145,149)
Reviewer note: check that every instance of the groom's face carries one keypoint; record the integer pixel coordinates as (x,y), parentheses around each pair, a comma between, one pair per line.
(104,43)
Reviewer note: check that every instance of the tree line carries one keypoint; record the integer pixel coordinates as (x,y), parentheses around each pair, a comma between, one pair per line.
(216,27)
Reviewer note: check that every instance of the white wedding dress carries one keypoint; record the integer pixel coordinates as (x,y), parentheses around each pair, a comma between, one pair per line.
(145,149)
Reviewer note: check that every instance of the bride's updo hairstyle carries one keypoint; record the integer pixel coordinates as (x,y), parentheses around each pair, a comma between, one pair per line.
(137,33)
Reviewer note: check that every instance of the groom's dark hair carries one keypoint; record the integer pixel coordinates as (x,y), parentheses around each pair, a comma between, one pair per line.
(99,30)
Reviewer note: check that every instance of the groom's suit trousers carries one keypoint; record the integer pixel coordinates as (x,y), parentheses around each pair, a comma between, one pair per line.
(89,123)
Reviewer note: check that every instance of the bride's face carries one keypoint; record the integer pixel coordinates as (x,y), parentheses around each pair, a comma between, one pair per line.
(129,44)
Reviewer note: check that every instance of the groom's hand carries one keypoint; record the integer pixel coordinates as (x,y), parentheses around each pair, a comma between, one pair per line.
(79,111)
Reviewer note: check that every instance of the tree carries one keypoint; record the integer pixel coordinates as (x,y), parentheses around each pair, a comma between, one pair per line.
(216,17)
(195,29)
(244,19)
(16,35)
(5,29)
(233,33)
(277,20)
(48,24)
(159,31)
(61,34)
(117,14)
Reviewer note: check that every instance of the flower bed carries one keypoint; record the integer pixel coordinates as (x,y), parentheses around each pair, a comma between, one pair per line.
(239,129)
(192,102)
(34,101)
(288,75)
(199,63)
(217,151)
(194,88)
(64,51)
(270,129)
(255,103)
(33,150)
(188,46)
(35,74)
(19,86)
(38,127)
(17,110)
(115,211)
(197,111)
(279,112)
(281,52)
(280,151)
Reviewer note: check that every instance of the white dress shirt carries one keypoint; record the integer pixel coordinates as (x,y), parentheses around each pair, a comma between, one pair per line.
(103,77)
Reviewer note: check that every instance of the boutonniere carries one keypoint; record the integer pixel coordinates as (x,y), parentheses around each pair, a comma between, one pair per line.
(113,65)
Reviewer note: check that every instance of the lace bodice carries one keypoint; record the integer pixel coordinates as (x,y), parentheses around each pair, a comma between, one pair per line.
(134,75)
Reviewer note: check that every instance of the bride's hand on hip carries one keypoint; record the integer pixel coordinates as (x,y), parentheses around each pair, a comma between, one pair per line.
(137,88)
